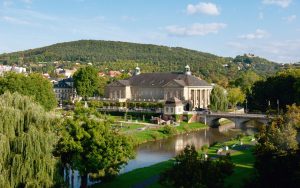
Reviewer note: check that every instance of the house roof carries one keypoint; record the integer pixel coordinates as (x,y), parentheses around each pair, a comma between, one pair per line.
(173,101)
(64,83)
(161,79)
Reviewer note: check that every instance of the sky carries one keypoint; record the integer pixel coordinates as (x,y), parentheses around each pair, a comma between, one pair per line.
(267,28)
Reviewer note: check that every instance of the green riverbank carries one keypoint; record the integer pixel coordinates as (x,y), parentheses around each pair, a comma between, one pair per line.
(153,134)
(241,156)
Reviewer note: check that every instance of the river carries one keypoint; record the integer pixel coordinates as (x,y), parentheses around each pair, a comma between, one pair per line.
(154,152)
(157,151)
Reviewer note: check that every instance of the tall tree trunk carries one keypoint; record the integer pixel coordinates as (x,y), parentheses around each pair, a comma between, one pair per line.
(84,181)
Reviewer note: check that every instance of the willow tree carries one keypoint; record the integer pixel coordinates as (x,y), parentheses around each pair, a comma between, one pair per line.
(26,143)
(218,99)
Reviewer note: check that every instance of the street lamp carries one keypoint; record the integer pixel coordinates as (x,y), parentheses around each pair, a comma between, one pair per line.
(278,106)
(246,106)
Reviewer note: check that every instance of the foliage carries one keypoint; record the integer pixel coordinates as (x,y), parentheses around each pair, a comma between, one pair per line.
(235,96)
(86,81)
(91,147)
(34,85)
(169,130)
(283,88)
(246,80)
(277,155)
(109,55)
(293,115)
(191,171)
(26,143)
(218,99)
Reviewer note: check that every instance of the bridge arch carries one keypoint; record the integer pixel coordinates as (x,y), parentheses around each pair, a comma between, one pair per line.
(217,121)
(252,123)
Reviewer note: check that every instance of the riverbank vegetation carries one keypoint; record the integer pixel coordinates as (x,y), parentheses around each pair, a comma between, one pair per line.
(162,132)
(241,156)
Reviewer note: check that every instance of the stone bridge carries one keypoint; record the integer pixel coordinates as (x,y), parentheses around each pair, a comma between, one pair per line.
(212,119)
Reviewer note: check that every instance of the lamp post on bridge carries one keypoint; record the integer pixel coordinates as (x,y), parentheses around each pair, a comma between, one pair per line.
(246,107)
(278,106)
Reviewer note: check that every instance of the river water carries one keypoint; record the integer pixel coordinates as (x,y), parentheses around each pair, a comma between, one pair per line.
(157,151)
(154,152)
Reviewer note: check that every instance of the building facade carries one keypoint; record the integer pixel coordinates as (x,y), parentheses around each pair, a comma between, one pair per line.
(192,91)
(65,90)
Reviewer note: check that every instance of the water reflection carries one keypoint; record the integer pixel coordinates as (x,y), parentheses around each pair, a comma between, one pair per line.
(162,150)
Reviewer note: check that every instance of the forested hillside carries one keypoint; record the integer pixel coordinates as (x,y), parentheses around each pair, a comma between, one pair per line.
(125,56)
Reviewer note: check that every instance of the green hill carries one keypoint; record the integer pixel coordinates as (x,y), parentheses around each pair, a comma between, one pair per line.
(125,56)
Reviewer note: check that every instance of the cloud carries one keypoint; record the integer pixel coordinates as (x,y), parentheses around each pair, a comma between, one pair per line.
(283,51)
(195,29)
(281,3)
(258,34)
(261,15)
(13,20)
(27,1)
(128,18)
(204,8)
(7,3)
(290,18)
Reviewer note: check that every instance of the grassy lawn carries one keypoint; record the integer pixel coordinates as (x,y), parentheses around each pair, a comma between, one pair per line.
(137,176)
(243,160)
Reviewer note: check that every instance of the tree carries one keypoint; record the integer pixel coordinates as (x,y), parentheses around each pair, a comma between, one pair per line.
(33,85)
(26,143)
(293,115)
(218,99)
(191,171)
(282,88)
(235,96)
(246,80)
(93,149)
(86,81)
(277,155)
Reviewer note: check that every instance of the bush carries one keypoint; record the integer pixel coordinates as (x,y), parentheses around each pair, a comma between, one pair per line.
(169,130)
(190,170)
(154,135)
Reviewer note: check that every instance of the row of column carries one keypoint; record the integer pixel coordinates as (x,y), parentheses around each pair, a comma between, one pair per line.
(200,97)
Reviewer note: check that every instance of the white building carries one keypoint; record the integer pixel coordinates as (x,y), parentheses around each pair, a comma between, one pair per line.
(190,90)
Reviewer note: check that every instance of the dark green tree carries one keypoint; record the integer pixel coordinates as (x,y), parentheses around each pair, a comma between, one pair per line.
(277,154)
(27,141)
(190,171)
(33,85)
(93,149)
(218,99)
(282,89)
(86,81)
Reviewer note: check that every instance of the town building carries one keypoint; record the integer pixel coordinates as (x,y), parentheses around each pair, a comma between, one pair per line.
(192,91)
(65,90)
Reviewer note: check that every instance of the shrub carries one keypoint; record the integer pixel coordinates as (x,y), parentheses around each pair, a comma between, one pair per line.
(169,130)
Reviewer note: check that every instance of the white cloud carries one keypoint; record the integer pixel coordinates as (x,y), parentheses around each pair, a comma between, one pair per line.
(258,34)
(281,3)
(13,20)
(261,15)
(195,29)
(204,8)
(27,1)
(285,51)
(290,18)
(7,3)
(128,18)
